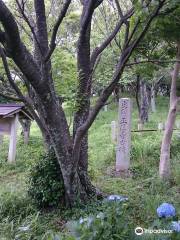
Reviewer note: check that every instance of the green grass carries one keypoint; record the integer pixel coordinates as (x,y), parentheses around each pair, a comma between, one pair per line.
(144,189)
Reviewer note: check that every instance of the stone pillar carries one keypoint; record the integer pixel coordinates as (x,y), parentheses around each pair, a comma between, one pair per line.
(177,124)
(161,126)
(140,126)
(124,135)
(114,131)
(13,139)
(105,108)
(153,103)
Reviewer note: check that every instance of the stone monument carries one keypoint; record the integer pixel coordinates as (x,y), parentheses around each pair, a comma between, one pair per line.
(124,136)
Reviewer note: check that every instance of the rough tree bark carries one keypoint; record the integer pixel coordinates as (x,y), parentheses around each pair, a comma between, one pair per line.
(117,93)
(164,165)
(142,100)
(26,126)
(83,95)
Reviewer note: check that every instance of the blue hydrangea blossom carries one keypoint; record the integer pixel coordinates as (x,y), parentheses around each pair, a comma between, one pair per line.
(166,210)
(176,226)
(117,198)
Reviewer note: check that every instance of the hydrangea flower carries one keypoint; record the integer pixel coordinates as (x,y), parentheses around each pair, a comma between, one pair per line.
(166,210)
(24,228)
(176,226)
(117,198)
(100,215)
(87,220)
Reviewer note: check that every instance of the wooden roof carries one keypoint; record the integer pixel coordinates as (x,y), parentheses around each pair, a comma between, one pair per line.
(8,110)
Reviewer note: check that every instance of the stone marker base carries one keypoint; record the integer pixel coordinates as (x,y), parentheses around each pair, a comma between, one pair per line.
(123,174)
(111,171)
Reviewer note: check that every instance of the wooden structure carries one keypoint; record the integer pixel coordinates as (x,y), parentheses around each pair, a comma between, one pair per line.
(10,114)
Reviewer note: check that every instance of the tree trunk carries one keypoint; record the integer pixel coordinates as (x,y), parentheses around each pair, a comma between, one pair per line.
(62,144)
(26,125)
(164,166)
(51,110)
(144,104)
(137,94)
(117,93)
(83,100)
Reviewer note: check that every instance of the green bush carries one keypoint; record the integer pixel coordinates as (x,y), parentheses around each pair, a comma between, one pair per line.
(45,185)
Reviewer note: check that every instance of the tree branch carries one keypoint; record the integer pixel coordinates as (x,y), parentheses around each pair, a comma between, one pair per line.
(89,7)
(8,74)
(2,37)
(175,74)
(18,91)
(17,50)
(25,30)
(10,97)
(41,28)
(21,9)
(104,44)
(62,14)
(151,61)
(132,33)
(119,8)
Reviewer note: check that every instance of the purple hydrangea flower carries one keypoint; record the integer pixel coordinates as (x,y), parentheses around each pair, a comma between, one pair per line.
(117,198)
(166,210)
(176,226)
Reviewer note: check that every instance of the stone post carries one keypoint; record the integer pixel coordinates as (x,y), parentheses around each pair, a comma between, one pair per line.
(153,103)
(161,126)
(140,126)
(124,135)
(105,108)
(177,124)
(114,131)
(13,140)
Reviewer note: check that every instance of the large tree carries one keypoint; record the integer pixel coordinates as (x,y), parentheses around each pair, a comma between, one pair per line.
(34,65)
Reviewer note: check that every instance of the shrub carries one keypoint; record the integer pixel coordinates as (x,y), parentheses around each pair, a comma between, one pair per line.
(45,185)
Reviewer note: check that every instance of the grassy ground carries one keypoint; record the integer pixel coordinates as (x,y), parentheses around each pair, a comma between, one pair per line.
(144,189)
